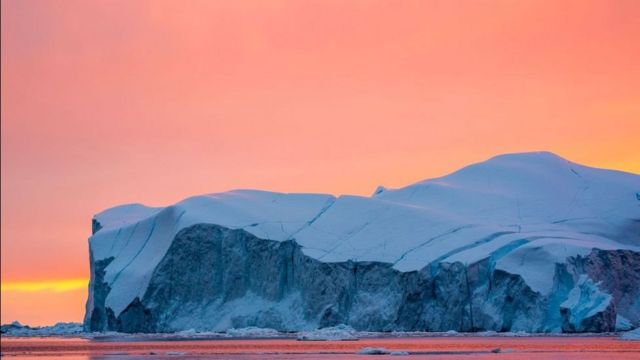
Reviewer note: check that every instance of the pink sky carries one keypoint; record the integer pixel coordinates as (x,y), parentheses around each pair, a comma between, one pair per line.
(110,102)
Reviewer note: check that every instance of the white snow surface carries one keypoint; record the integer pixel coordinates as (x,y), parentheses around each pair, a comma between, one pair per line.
(525,211)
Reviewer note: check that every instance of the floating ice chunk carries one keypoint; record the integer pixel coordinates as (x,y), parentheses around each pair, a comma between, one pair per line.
(516,334)
(399,353)
(487,333)
(253,332)
(374,351)
(339,332)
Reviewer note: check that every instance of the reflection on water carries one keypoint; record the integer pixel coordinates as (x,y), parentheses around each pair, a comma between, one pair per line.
(582,348)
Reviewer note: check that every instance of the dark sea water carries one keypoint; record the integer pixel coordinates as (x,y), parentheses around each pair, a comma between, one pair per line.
(582,348)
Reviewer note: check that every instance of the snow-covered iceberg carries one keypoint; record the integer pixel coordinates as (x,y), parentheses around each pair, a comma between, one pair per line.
(521,242)
(59,329)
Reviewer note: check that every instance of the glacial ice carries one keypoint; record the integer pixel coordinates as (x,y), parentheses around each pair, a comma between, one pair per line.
(631,335)
(623,324)
(521,242)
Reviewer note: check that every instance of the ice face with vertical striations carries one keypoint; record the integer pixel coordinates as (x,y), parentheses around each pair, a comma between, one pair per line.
(525,241)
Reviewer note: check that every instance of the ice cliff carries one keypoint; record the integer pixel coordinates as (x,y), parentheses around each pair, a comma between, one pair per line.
(520,242)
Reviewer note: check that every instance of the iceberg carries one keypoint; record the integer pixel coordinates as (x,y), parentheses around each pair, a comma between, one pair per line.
(527,242)
(60,329)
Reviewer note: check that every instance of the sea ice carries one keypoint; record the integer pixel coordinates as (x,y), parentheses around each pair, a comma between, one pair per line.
(340,332)
(374,351)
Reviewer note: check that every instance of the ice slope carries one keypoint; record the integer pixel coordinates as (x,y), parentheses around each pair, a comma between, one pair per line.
(526,212)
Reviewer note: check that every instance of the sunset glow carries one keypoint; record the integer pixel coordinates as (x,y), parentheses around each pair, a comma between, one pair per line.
(112,102)
(40,286)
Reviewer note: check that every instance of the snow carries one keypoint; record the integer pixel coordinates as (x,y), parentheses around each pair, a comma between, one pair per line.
(339,332)
(525,211)
(123,215)
(631,335)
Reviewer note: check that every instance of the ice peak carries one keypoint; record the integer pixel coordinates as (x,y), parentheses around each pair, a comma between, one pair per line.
(540,158)
(379,190)
(530,155)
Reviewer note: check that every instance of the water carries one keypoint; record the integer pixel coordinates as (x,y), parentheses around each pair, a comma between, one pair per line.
(543,347)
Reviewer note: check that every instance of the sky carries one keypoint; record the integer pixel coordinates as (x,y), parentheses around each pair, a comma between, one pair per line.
(119,101)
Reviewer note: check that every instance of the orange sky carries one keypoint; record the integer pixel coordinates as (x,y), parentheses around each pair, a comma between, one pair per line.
(108,102)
